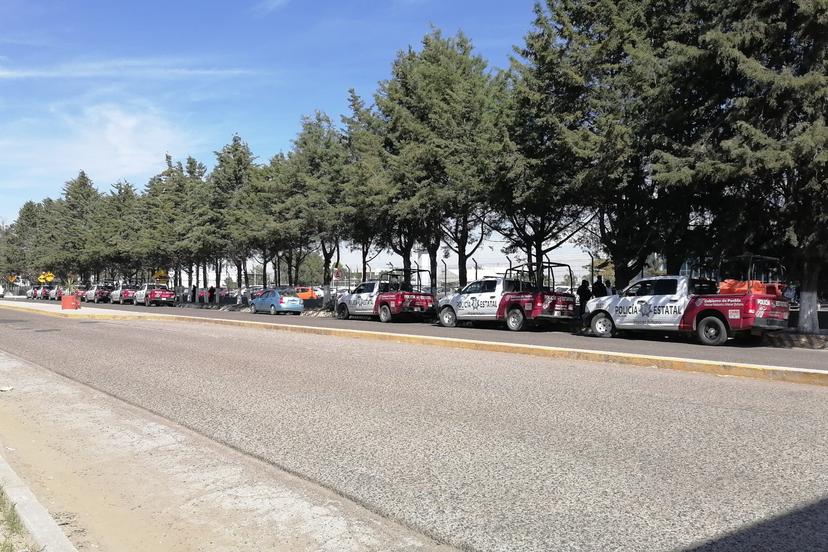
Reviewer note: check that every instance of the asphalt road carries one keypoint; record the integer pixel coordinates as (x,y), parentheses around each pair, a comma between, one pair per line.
(640,343)
(483,451)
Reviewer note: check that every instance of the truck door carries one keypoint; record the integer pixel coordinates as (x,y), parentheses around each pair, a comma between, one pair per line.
(667,304)
(362,299)
(468,302)
(489,300)
(632,310)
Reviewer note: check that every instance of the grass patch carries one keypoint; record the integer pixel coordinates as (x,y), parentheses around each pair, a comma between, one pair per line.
(12,535)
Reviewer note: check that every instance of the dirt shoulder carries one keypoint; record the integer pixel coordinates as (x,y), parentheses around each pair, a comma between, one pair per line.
(119,479)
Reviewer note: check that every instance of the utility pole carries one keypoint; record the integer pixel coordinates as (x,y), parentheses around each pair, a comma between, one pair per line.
(445,275)
(475,268)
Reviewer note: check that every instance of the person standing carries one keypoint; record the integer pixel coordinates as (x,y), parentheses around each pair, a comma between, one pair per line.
(584,295)
(598,288)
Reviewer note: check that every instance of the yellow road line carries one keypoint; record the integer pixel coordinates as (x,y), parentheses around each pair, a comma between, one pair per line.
(714,367)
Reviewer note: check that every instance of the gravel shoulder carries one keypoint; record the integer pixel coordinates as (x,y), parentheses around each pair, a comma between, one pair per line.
(117,478)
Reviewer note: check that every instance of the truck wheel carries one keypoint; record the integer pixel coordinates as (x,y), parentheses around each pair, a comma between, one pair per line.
(602,325)
(272,309)
(711,331)
(385,314)
(342,312)
(516,320)
(448,318)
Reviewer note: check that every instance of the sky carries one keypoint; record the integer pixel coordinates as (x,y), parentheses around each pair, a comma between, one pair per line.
(111,87)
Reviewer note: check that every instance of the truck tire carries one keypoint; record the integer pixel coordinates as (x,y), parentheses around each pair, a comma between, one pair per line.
(711,331)
(342,312)
(602,325)
(448,318)
(515,319)
(385,314)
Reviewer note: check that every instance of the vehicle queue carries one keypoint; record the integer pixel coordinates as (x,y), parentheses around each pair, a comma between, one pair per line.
(746,300)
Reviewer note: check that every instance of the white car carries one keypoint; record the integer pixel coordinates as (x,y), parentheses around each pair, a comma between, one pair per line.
(2,292)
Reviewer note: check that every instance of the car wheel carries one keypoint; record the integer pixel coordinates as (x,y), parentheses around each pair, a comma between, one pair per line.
(385,314)
(252,308)
(448,318)
(120,301)
(342,312)
(711,331)
(515,319)
(272,309)
(602,325)
(147,302)
(95,300)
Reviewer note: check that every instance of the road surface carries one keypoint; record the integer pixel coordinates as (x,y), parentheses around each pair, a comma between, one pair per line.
(638,343)
(486,451)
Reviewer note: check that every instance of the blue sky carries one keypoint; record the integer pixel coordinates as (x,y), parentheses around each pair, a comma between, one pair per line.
(110,87)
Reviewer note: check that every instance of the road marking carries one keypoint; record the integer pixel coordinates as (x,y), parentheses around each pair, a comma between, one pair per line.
(713,367)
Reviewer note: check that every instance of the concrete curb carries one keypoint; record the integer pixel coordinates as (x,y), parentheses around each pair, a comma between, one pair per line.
(41,526)
(718,368)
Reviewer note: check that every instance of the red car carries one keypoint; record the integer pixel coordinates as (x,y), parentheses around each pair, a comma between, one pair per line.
(125,293)
(154,294)
(98,293)
(43,293)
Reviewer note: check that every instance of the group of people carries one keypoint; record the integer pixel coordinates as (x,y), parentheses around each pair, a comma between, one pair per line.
(599,289)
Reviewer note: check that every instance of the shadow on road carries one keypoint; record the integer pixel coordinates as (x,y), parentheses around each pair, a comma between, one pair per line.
(802,530)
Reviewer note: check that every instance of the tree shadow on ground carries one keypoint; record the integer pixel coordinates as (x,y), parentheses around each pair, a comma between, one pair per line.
(801,530)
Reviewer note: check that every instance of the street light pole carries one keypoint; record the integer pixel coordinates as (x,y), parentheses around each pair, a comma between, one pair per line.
(445,275)
(475,268)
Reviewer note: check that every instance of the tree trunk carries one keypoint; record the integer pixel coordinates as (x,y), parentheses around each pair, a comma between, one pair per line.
(407,266)
(462,269)
(433,250)
(366,249)
(539,263)
(197,282)
(218,278)
(246,274)
(264,270)
(189,275)
(204,273)
(277,269)
(238,273)
(809,299)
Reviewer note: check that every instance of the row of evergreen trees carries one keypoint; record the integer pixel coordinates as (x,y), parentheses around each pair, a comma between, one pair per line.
(634,126)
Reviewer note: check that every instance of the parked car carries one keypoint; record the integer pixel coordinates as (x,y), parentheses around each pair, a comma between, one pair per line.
(517,299)
(56,293)
(123,293)
(44,292)
(306,293)
(98,293)
(32,293)
(154,294)
(709,309)
(388,297)
(277,301)
(2,292)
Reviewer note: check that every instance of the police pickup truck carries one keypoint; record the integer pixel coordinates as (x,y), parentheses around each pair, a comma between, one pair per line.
(513,298)
(390,296)
(688,305)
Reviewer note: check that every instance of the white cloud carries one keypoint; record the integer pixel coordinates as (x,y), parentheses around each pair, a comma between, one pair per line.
(267,6)
(143,68)
(109,141)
